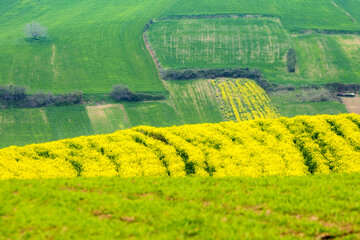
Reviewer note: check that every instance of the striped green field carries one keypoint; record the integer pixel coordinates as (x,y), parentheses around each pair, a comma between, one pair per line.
(91,45)
(220,42)
(188,102)
(256,43)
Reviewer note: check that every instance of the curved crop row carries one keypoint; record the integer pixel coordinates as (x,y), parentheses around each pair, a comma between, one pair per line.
(284,146)
(243,99)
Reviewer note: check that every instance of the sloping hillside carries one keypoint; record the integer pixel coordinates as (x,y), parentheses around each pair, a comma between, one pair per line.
(286,146)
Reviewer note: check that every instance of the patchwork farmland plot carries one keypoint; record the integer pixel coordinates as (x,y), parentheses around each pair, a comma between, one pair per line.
(219,42)
(258,42)
(243,99)
(194,101)
(246,171)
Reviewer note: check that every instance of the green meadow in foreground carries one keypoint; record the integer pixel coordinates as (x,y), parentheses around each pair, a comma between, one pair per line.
(309,207)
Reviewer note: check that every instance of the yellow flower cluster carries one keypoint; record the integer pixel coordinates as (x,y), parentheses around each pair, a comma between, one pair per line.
(284,146)
(243,99)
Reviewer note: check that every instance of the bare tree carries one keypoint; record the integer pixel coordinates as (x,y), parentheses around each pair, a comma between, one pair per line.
(35,30)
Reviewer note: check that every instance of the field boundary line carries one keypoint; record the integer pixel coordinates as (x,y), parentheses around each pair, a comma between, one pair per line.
(344,11)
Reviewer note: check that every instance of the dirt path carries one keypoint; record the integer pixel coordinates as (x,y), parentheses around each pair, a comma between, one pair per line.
(352,104)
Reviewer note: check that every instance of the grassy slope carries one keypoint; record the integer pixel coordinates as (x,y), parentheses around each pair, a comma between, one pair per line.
(25,126)
(351,7)
(92,45)
(256,43)
(161,208)
(295,15)
(189,102)
(219,42)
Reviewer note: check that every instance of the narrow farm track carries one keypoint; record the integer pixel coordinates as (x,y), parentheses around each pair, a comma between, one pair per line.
(286,146)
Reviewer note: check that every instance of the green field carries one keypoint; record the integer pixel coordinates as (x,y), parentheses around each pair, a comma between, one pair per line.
(220,42)
(188,103)
(25,126)
(310,207)
(310,108)
(93,45)
(256,43)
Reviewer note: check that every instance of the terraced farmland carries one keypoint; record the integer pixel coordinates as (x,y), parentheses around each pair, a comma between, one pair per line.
(243,99)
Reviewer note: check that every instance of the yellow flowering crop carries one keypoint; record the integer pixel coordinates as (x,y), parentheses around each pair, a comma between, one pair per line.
(283,146)
(243,99)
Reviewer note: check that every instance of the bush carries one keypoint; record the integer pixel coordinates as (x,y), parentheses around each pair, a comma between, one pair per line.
(121,92)
(12,93)
(291,60)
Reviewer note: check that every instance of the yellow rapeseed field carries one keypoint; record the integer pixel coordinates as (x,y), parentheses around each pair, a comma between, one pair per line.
(284,146)
(243,99)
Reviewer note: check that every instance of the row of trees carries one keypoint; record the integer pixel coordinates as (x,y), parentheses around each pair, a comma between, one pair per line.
(16,96)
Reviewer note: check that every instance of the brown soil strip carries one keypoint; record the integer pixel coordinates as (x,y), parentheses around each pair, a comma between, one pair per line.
(352,104)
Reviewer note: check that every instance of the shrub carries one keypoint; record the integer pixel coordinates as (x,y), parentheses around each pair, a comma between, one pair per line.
(291,60)
(170,74)
(12,93)
(121,92)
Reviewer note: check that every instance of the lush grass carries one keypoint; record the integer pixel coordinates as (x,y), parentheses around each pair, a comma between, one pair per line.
(188,102)
(23,126)
(108,118)
(256,43)
(351,7)
(26,126)
(181,208)
(91,45)
(194,101)
(310,108)
(295,14)
(219,42)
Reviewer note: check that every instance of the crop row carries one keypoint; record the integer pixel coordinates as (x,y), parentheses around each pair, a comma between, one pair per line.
(284,146)
(243,99)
